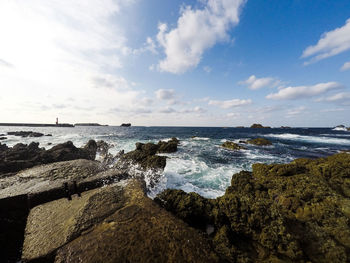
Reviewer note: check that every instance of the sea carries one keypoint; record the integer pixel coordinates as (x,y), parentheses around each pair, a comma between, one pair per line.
(201,165)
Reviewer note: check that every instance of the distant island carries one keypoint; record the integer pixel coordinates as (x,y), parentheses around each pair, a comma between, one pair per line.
(89,124)
(125,125)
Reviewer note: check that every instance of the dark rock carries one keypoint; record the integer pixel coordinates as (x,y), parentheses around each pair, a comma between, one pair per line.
(49,143)
(1,134)
(22,156)
(3,138)
(125,125)
(297,212)
(26,134)
(50,135)
(232,146)
(259,126)
(145,154)
(169,146)
(259,142)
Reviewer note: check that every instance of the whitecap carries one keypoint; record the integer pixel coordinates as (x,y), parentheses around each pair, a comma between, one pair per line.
(306,138)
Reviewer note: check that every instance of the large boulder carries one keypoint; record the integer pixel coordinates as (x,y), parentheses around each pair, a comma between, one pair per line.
(41,184)
(146,156)
(51,225)
(232,146)
(22,156)
(297,212)
(259,142)
(117,223)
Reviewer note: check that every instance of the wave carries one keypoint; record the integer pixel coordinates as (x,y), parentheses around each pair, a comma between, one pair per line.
(306,138)
(200,138)
(340,129)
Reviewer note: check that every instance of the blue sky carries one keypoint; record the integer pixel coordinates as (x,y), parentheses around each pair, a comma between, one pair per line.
(190,63)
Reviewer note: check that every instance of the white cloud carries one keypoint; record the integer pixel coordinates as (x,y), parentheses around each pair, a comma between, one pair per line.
(255,83)
(346,66)
(233,115)
(296,111)
(330,44)
(301,92)
(5,63)
(165,94)
(226,104)
(197,30)
(60,50)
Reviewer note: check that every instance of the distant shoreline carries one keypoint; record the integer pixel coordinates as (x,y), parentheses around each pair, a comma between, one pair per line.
(36,125)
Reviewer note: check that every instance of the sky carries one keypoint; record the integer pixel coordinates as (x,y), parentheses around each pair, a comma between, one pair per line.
(176,63)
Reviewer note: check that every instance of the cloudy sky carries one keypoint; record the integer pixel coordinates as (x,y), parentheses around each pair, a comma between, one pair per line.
(190,63)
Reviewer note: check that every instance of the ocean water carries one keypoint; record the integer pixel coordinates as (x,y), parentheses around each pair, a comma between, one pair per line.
(200,164)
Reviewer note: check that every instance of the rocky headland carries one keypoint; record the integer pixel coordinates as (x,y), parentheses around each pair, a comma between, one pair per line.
(61,205)
(259,126)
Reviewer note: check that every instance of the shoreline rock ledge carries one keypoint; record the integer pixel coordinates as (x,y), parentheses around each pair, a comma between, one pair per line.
(296,212)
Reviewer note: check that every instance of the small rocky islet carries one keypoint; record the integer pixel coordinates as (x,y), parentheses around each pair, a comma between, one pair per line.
(61,205)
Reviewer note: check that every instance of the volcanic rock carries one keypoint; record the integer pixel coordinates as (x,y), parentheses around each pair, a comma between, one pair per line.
(26,134)
(259,142)
(145,154)
(259,126)
(22,156)
(232,146)
(297,212)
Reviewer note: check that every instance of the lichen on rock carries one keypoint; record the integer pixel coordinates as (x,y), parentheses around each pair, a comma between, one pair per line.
(259,142)
(232,146)
(297,212)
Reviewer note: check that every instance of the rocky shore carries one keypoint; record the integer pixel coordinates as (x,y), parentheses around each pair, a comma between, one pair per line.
(61,205)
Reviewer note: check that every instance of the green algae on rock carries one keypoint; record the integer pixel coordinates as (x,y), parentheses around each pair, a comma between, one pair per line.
(259,142)
(297,212)
(232,146)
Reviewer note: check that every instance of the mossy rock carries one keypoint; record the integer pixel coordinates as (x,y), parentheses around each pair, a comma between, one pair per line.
(296,212)
(259,142)
(232,146)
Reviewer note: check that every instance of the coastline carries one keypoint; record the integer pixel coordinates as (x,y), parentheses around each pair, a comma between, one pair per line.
(266,208)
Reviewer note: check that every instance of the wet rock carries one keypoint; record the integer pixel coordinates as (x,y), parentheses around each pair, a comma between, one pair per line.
(3,138)
(140,231)
(22,156)
(145,154)
(26,134)
(259,142)
(297,212)
(259,126)
(50,135)
(169,146)
(232,146)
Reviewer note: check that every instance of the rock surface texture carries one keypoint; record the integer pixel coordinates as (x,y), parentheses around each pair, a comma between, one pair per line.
(297,212)
(117,223)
